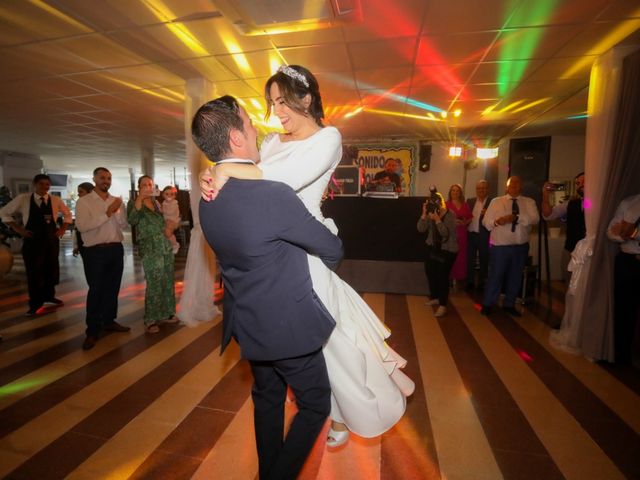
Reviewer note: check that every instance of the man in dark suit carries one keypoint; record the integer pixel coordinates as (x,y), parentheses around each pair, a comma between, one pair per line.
(261,233)
(478,236)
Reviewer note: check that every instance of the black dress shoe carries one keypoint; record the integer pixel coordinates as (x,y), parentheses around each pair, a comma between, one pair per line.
(89,342)
(512,311)
(116,327)
(485,310)
(54,301)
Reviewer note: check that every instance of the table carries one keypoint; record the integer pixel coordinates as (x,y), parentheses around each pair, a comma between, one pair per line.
(383,250)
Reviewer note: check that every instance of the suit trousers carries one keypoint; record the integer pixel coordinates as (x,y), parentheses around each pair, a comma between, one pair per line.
(282,458)
(477,245)
(506,266)
(437,267)
(103,267)
(626,303)
(40,256)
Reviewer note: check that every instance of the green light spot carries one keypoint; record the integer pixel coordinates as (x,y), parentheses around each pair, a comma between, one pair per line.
(522,43)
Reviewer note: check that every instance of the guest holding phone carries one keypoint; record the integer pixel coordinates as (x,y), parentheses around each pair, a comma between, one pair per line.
(156,254)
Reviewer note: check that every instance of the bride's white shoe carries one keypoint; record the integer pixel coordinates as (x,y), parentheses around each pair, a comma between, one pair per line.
(335,438)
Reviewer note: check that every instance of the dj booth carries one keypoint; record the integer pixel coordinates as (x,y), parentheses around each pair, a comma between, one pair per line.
(383,250)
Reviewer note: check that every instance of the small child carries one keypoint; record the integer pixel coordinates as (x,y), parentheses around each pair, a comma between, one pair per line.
(171,213)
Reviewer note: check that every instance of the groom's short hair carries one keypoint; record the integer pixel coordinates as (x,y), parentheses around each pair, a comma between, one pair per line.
(212,124)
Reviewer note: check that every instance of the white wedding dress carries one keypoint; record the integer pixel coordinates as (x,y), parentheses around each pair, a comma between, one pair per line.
(368,389)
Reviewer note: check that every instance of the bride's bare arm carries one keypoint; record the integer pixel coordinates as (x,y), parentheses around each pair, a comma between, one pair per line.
(213,178)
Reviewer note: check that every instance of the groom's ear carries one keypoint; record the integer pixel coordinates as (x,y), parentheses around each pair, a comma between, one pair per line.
(236,138)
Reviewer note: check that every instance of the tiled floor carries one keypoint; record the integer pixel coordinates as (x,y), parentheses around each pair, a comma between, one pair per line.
(493,399)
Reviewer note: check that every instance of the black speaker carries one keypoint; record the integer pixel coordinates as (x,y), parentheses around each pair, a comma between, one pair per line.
(425,157)
(529,160)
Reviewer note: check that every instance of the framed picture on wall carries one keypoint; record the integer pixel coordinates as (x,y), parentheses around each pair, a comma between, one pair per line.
(20,185)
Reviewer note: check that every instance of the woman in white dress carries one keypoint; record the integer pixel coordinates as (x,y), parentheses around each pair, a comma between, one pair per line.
(368,388)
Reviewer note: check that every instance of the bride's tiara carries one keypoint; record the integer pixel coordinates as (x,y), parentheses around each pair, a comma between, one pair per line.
(292,73)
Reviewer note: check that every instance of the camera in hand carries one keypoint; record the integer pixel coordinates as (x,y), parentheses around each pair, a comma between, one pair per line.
(433,200)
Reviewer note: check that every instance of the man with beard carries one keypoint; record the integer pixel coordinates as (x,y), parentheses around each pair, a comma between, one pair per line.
(100,219)
(572,212)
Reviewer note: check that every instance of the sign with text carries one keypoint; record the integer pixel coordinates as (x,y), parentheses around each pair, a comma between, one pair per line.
(376,159)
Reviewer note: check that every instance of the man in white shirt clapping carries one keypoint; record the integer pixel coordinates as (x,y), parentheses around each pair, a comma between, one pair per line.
(100,219)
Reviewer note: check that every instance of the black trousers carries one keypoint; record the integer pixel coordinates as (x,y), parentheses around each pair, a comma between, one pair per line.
(437,266)
(626,303)
(103,267)
(40,256)
(282,458)
(477,245)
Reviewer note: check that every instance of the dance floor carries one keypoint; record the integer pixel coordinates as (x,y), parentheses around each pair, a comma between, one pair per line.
(493,400)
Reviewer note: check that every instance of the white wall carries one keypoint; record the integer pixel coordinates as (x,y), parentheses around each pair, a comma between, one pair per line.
(18,166)
(445,171)
(567,158)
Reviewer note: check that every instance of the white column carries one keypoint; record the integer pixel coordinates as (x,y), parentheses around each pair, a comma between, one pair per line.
(147,164)
(196,302)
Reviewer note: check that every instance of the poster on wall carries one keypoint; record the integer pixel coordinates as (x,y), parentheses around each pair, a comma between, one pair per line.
(383,168)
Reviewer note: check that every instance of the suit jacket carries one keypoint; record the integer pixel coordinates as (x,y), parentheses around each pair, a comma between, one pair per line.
(261,233)
(471,202)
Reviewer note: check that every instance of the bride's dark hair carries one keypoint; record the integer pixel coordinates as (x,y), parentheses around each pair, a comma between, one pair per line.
(293,90)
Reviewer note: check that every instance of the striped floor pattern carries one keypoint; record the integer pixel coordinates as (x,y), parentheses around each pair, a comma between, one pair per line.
(493,400)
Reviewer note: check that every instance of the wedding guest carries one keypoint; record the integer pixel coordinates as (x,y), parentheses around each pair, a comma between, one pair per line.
(509,219)
(100,220)
(154,249)
(171,214)
(457,205)
(40,239)
(624,229)
(441,250)
(478,236)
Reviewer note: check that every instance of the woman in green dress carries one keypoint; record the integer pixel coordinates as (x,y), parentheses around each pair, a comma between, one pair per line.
(156,254)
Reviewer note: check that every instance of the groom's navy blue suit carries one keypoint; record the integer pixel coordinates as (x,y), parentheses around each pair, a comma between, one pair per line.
(261,233)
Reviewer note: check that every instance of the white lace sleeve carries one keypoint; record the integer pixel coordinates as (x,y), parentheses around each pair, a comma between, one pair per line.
(308,162)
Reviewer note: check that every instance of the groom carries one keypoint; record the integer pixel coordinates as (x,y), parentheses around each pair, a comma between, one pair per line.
(261,233)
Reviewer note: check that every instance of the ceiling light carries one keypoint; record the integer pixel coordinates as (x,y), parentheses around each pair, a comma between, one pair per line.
(486,153)
(457,112)
(455,152)
(443,114)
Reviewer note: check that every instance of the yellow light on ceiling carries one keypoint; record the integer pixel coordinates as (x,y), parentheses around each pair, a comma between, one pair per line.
(256,103)
(352,113)
(457,112)
(57,13)
(399,114)
(455,152)
(166,16)
(443,114)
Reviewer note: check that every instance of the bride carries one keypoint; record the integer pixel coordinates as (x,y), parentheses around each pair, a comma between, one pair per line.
(368,389)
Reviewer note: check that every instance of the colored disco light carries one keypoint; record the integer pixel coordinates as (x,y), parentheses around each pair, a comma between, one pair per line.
(525,356)
(166,16)
(523,44)
(58,14)
(623,30)
(577,117)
